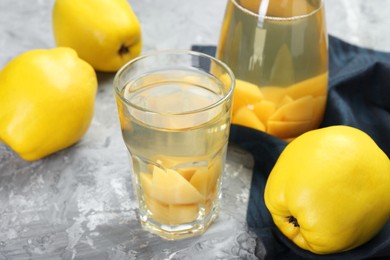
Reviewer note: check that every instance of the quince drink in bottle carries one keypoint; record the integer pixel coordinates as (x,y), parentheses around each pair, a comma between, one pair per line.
(280,47)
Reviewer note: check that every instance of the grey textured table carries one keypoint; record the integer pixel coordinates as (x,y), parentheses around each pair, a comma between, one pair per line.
(79,203)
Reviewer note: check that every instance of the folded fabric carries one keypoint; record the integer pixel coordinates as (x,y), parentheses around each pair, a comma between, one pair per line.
(359,96)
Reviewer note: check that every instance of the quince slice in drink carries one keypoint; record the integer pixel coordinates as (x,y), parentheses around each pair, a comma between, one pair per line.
(170,187)
(296,110)
(247,117)
(245,94)
(200,180)
(285,100)
(183,165)
(187,172)
(146,183)
(205,178)
(171,214)
(287,129)
(160,211)
(315,86)
(264,109)
(273,94)
(179,214)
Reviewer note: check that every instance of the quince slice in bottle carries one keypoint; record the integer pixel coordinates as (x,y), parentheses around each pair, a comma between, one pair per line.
(247,117)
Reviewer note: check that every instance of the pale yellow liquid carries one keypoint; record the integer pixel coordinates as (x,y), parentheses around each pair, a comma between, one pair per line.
(183,143)
(278,53)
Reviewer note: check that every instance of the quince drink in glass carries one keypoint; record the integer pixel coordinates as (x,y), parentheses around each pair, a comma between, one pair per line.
(174,109)
(278,53)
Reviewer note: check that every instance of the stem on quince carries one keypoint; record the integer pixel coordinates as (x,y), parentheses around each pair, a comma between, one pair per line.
(293,221)
(123,50)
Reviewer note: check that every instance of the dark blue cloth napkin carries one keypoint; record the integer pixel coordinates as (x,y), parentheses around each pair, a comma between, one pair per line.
(359,96)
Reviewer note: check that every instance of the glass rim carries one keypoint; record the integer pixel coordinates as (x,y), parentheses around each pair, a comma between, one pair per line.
(156,53)
(277,18)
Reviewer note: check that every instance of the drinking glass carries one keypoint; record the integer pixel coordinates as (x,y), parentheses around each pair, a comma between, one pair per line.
(174,109)
(278,51)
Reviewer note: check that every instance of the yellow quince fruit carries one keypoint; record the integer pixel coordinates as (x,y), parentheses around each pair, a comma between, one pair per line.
(329,190)
(105,33)
(46,101)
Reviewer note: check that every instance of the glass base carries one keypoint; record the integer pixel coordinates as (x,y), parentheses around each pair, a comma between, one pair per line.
(175,232)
